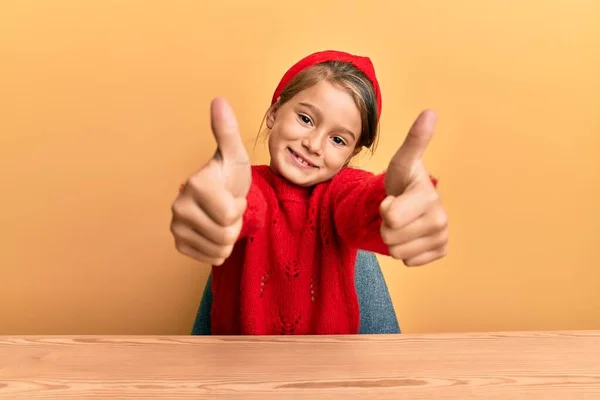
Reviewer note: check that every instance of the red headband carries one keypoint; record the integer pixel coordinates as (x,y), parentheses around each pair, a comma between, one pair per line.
(362,63)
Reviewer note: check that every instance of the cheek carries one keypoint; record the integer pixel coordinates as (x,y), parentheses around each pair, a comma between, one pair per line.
(278,139)
(338,157)
(287,129)
(273,141)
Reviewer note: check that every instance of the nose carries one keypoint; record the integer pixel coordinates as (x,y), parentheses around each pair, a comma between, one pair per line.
(313,143)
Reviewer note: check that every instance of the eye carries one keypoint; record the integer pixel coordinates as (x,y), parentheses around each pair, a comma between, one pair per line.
(338,140)
(305,119)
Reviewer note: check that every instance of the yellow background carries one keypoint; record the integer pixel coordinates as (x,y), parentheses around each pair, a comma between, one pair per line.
(104,110)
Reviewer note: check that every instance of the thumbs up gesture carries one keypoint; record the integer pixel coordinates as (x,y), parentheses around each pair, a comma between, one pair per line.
(414,222)
(208,213)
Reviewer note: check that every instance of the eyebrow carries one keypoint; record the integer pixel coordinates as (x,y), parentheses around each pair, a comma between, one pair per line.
(318,112)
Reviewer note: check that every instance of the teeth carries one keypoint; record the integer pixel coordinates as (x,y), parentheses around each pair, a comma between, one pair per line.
(300,160)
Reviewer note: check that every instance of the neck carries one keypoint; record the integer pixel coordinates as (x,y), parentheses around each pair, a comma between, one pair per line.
(285,189)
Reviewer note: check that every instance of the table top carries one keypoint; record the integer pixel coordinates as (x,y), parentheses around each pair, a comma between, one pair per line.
(498,365)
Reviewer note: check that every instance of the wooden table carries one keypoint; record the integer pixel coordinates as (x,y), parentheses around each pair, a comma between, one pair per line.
(517,365)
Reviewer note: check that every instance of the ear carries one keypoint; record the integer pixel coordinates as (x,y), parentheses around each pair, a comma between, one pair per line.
(271,114)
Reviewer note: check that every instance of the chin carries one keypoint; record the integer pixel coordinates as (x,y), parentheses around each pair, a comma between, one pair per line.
(298,178)
(294,175)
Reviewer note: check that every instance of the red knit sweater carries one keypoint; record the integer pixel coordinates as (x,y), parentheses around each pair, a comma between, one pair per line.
(292,269)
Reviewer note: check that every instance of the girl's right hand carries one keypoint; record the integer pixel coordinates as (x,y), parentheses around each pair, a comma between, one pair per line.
(208,213)
(414,220)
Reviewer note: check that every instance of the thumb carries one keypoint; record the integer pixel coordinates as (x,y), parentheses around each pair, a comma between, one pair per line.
(226,131)
(404,163)
(417,140)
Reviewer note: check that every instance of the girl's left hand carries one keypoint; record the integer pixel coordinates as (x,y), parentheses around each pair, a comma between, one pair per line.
(414,221)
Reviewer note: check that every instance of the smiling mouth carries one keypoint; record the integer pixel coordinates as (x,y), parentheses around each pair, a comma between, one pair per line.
(301,160)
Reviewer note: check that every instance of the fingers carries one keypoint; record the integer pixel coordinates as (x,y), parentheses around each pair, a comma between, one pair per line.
(198,255)
(193,239)
(212,200)
(418,236)
(226,131)
(188,214)
(207,236)
(431,222)
(426,258)
(398,212)
(200,247)
(415,249)
(191,243)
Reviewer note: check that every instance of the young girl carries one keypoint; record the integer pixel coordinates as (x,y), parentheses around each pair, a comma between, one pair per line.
(283,238)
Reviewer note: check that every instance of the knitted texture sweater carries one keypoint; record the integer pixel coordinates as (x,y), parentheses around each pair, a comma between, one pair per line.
(292,268)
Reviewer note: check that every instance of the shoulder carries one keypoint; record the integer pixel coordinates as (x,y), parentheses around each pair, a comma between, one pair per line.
(351,175)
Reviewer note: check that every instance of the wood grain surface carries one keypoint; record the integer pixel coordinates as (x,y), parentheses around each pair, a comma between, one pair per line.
(511,365)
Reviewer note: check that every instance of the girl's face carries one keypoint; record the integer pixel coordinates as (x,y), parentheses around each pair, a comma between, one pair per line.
(314,134)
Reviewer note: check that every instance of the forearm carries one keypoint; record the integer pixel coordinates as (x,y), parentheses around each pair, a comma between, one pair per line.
(356,201)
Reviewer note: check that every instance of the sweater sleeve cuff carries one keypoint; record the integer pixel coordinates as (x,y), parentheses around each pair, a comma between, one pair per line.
(372,240)
(254,216)
(434,181)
